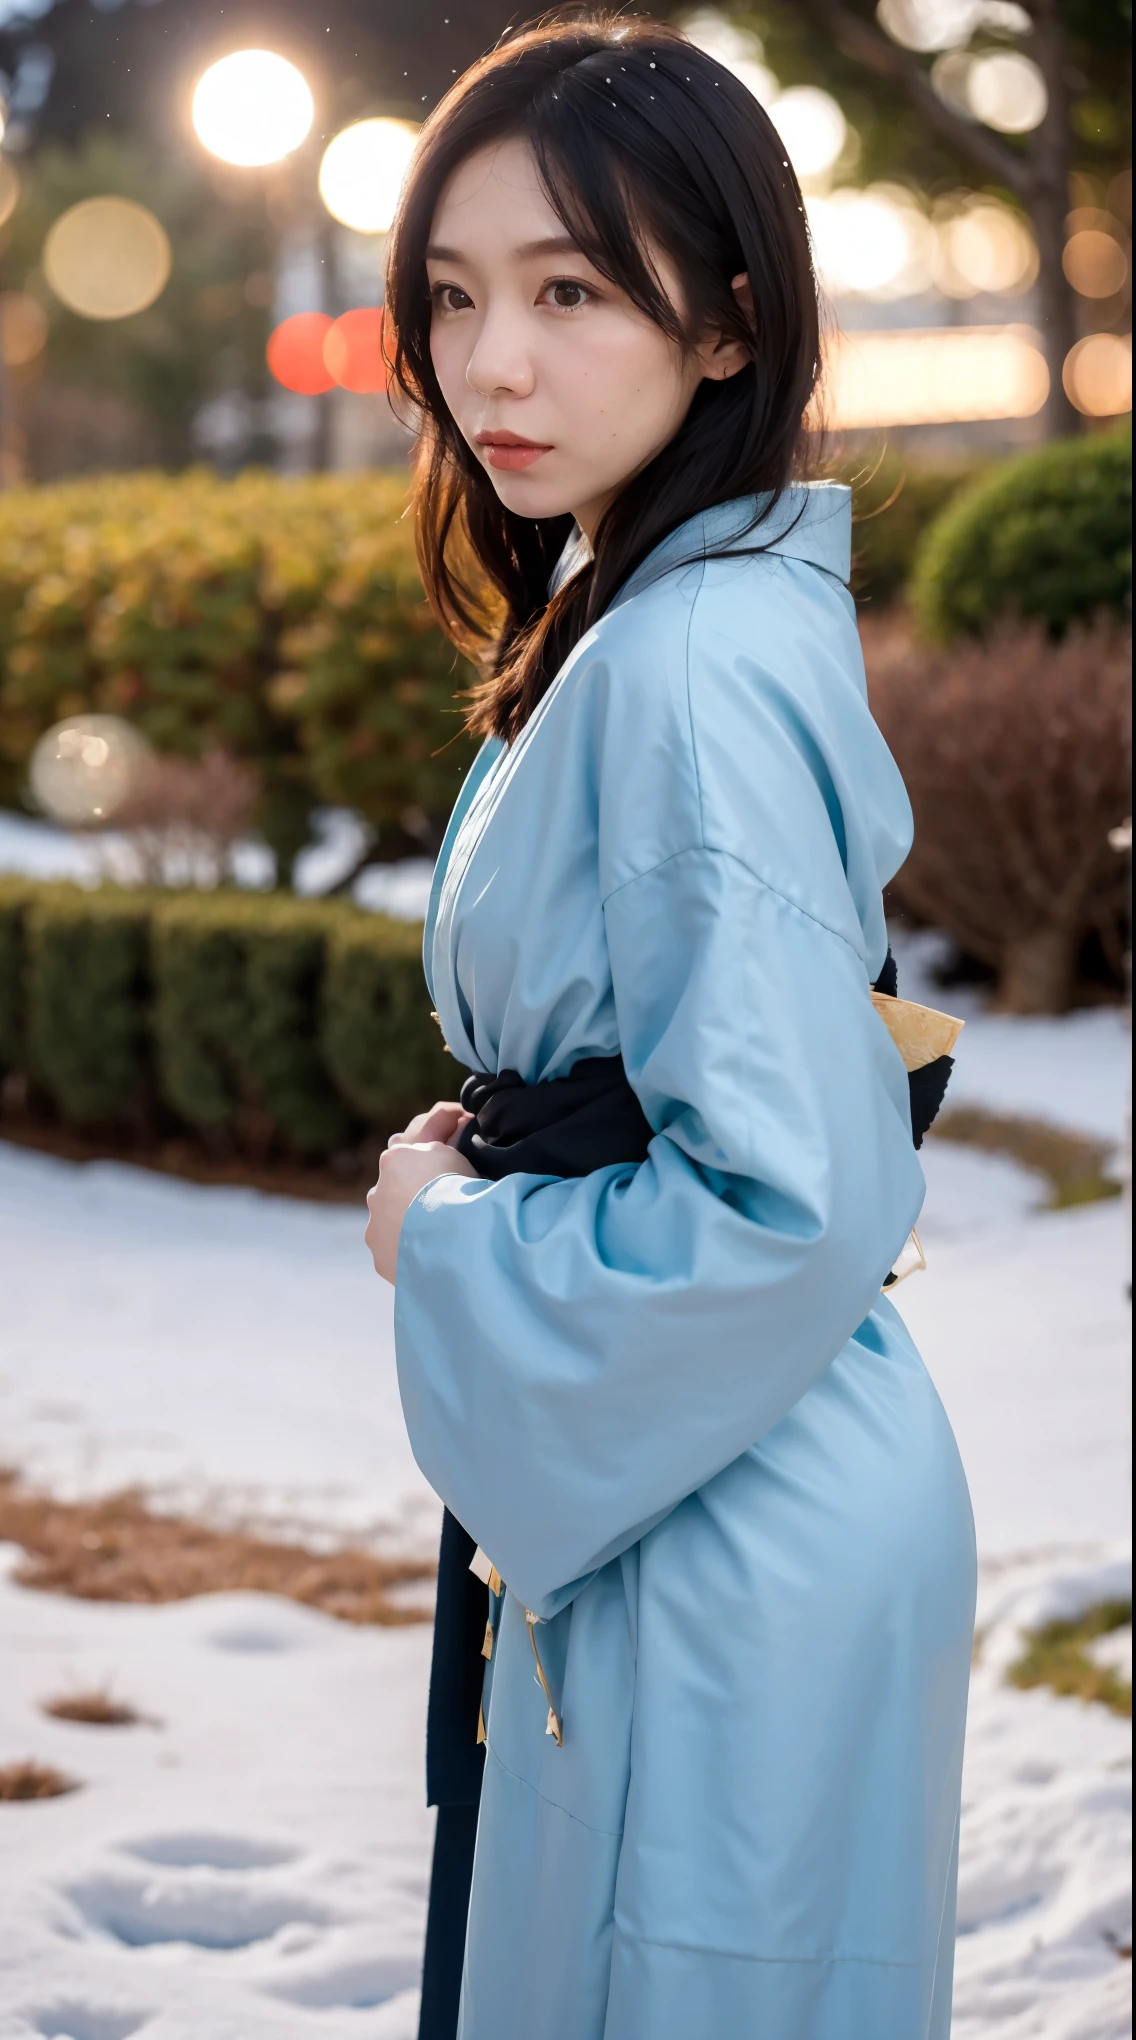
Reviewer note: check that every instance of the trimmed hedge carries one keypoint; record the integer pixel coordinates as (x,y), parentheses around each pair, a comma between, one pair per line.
(280,620)
(1048,535)
(264,1024)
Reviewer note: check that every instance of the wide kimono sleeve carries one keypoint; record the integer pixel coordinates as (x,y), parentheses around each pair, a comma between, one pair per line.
(577,1357)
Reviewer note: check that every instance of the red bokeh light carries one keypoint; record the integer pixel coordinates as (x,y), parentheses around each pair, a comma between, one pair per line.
(353,351)
(295,354)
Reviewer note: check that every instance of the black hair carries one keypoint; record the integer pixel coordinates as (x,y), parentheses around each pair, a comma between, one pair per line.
(639,139)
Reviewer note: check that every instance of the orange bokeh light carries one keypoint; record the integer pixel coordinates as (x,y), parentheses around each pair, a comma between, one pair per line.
(353,351)
(295,354)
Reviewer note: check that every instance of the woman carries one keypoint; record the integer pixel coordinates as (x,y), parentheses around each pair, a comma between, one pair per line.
(665,1396)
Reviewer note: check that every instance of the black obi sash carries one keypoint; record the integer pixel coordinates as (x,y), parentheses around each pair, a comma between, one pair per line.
(587,1120)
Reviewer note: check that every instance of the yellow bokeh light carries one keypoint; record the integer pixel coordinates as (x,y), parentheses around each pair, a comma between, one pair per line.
(1095,263)
(9,191)
(1098,375)
(252,108)
(871,243)
(362,172)
(1007,91)
(23,328)
(927,25)
(107,258)
(983,246)
(82,770)
(935,376)
(812,127)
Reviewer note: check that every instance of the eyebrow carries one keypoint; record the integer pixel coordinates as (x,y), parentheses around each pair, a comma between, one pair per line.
(553,244)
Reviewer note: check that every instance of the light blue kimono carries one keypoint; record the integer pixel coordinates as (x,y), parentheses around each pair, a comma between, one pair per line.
(669,1400)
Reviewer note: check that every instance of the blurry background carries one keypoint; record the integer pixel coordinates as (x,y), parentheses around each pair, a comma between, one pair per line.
(229,740)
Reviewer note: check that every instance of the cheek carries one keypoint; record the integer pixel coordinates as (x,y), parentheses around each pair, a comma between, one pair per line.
(625,379)
(449,354)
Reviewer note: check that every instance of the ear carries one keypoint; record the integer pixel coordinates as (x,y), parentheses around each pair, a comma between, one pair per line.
(722,356)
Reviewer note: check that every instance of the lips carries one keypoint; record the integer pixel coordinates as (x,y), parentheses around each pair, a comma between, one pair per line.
(510,450)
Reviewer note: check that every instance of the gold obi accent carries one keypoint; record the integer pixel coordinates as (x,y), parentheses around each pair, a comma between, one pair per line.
(484,1569)
(920,1033)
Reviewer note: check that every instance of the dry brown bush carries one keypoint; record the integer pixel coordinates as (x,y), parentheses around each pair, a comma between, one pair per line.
(1016,753)
(29,1780)
(119,1550)
(184,815)
(95,1709)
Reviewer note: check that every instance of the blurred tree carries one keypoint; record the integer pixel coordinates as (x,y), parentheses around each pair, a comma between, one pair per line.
(904,126)
(152,371)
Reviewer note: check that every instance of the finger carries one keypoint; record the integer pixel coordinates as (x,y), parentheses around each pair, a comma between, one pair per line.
(437,1124)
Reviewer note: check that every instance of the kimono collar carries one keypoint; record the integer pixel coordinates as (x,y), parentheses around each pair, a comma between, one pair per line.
(812,522)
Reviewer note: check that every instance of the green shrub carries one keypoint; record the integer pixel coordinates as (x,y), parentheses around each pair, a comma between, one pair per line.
(13,903)
(280,620)
(237,995)
(894,500)
(88,995)
(1047,535)
(380,1054)
(263,1023)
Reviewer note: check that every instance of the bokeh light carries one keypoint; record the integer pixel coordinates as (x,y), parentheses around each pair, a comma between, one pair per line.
(812,127)
(927,25)
(353,351)
(1007,91)
(251,108)
(1095,263)
(935,376)
(362,171)
(295,354)
(737,50)
(1098,375)
(981,245)
(83,769)
(107,258)
(23,328)
(874,243)
(9,191)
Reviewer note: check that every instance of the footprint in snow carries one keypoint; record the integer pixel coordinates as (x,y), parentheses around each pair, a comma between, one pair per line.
(75,2021)
(207,1890)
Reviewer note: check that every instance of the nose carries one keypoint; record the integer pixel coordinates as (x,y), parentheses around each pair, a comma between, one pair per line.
(500,362)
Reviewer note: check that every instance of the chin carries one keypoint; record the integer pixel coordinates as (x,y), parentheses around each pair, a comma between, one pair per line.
(529,495)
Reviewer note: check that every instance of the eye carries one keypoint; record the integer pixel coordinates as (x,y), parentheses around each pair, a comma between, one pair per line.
(449,297)
(567,295)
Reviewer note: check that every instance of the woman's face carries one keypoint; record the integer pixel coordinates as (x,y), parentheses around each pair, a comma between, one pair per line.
(563,389)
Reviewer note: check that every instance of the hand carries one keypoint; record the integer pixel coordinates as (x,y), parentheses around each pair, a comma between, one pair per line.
(444,1121)
(404,1170)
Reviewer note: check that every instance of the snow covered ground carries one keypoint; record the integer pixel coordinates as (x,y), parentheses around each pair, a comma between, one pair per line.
(39,849)
(251,1865)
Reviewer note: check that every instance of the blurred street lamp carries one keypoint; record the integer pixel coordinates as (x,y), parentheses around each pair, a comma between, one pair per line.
(1093,259)
(252,108)
(83,770)
(982,246)
(811,126)
(107,258)
(295,354)
(1098,375)
(362,173)
(1007,91)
